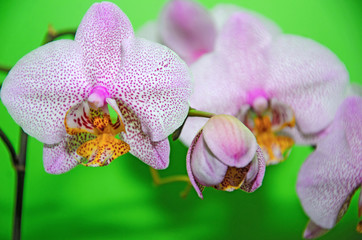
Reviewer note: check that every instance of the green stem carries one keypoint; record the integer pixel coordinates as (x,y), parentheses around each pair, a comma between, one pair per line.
(196,113)
(192,113)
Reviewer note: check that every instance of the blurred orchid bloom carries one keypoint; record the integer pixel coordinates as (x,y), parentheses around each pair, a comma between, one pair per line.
(184,26)
(225,155)
(332,174)
(188,28)
(286,89)
(60,93)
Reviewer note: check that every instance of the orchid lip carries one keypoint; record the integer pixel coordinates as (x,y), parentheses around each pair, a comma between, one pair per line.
(98,96)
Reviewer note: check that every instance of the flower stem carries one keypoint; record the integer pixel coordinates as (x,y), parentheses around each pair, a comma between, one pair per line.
(157,180)
(20,175)
(5,69)
(52,34)
(192,113)
(19,161)
(196,113)
(10,147)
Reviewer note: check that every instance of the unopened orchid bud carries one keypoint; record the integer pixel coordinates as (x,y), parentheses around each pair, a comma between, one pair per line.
(225,155)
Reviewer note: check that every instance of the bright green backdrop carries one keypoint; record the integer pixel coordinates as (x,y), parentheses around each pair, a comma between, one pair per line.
(120,201)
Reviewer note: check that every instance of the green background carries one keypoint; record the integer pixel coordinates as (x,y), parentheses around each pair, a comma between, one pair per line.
(120,201)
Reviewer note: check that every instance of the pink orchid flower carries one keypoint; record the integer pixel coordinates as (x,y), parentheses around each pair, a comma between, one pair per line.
(60,94)
(332,174)
(224,155)
(285,88)
(188,28)
(184,26)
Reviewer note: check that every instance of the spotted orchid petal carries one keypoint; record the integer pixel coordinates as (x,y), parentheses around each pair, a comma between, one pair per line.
(42,86)
(333,172)
(197,186)
(154,154)
(309,78)
(255,175)
(100,34)
(62,157)
(155,83)
(187,28)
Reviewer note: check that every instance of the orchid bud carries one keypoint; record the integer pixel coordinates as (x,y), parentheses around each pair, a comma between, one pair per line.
(225,155)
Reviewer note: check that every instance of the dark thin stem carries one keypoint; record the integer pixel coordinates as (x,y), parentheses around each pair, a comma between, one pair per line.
(10,147)
(20,175)
(52,34)
(19,161)
(5,69)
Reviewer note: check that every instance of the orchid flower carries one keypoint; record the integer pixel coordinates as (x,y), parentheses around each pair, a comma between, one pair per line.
(184,26)
(332,174)
(224,155)
(286,89)
(61,94)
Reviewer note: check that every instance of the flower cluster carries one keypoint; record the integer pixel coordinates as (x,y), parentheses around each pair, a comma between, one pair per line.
(266,91)
(286,89)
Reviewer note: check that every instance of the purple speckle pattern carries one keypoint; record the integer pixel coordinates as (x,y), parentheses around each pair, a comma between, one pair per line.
(155,83)
(61,157)
(253,184)
(155,154)
(101,32)
(197,186)
(42,86)
(79,118)
(150,82)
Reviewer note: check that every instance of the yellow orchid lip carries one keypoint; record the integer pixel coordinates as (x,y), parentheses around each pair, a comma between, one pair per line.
(105,147)
(275,146)
(268,125)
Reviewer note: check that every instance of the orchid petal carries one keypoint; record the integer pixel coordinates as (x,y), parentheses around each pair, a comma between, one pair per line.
(281,116)
(230,140)
(354,89)
(234,69)
(42,86)
(187,28)
(360,203)
(255,176)
(334,171)
(313,231)
(155,83)
(303,139)
(61,157)
(155,154)
(309,78)
(222,12)
(78,119)
(197,186)
(101,32)
(205,167)
(191,128)
(244,33)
